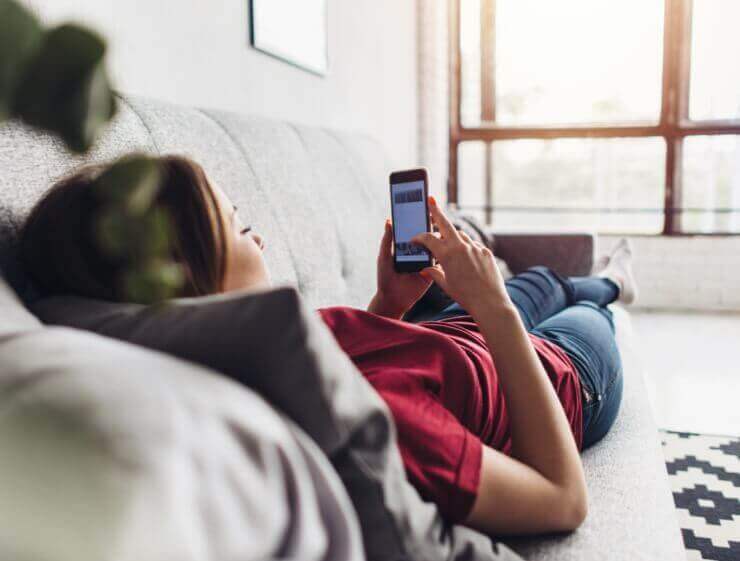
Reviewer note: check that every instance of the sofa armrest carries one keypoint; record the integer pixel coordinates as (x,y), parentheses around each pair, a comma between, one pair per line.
(569,254)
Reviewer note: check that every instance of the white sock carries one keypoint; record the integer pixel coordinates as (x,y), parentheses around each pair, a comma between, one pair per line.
(619,270)
(603,260)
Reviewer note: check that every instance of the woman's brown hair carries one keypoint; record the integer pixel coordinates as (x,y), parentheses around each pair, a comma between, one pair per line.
(61,253)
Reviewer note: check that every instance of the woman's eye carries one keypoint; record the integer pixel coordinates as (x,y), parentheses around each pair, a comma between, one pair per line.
(245,230)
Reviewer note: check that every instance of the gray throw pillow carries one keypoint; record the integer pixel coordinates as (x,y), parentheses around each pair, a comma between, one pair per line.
(269,341)
(263,341)
(114,452)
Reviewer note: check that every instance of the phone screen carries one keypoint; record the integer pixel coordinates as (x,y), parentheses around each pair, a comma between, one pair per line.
(409,219)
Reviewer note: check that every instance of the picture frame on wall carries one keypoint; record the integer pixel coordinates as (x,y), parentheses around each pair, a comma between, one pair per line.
(295,31)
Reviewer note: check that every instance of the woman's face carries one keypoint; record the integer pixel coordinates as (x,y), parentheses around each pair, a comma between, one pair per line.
(245,265)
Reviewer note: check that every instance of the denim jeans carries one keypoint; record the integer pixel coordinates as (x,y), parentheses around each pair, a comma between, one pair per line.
(571,313)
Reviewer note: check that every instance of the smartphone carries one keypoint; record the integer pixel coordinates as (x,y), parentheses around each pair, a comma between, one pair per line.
(410,212)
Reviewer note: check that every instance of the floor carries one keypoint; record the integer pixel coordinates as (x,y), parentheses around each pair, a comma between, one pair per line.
(692,367)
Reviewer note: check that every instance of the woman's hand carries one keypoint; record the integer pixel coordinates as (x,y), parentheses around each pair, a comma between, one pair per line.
(397,292)
(465,269)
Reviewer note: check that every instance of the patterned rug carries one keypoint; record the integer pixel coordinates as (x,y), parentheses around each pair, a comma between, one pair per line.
(704,475)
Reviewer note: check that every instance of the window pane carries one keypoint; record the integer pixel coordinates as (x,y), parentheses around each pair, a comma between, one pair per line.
(578,61)
(471,167)
(607,185)
(470,62)
(715,72)
(711,180)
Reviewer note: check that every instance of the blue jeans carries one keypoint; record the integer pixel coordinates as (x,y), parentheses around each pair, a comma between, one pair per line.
(571,313)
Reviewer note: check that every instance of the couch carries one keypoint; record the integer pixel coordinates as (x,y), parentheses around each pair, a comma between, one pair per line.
(319,197)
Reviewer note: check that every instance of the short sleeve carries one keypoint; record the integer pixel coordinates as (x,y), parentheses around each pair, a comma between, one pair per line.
(442,458)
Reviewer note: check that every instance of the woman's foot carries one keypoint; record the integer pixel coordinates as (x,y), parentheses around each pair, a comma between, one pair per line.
(618,269)
(603,260)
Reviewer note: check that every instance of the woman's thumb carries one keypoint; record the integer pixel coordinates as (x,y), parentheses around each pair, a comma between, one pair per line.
(435,274)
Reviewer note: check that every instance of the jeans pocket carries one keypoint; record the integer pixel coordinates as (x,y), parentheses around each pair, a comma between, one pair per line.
(591,403)
(589,397)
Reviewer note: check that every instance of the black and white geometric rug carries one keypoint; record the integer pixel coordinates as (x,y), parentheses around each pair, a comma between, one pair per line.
(704,475)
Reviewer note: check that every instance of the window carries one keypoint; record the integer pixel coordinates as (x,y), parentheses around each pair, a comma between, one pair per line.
(620,117)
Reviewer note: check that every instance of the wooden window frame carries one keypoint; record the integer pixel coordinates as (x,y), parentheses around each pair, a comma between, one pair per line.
(674,124)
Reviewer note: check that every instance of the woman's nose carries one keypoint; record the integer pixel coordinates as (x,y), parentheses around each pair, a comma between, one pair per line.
(258,240)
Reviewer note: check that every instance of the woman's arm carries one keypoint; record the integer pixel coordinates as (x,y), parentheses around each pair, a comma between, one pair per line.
(541,488)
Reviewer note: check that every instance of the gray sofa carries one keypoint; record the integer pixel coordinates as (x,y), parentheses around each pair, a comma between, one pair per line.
(319,197)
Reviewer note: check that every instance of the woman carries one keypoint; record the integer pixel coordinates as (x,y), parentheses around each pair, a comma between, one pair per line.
(494,443)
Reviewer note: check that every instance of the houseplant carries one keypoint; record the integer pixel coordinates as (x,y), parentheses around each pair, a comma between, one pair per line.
(55,80)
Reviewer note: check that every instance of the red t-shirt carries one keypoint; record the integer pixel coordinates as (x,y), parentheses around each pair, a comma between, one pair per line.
(441,386)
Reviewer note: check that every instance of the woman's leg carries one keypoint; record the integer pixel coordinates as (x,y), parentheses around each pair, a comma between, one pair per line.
(539,293)
(598,290)
(585,331)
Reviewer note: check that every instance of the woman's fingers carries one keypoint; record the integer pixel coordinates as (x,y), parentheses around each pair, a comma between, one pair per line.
(465,237)
(430,241)
(443,223)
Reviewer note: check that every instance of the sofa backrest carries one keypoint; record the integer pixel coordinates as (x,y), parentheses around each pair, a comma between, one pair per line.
(318,196)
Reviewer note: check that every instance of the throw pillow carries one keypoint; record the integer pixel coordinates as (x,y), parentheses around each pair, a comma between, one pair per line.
(270,342)
(111,451)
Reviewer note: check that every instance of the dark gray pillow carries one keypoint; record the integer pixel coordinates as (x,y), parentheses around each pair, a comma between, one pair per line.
(264,341)
(272,343)
(111,451)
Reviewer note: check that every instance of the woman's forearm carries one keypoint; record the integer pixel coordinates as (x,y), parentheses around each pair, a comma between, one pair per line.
(540,433)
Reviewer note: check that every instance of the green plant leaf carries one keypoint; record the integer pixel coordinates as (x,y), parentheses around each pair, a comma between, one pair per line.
(131,183)
(66,88)
(115,231)
(157,227)
(155,281)
(20,37)
(133,229)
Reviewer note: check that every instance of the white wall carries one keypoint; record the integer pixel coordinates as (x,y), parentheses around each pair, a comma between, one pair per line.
(434,122)
(692,273)
(197,52)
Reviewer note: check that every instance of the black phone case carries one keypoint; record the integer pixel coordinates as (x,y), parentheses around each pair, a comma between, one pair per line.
(419,174)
